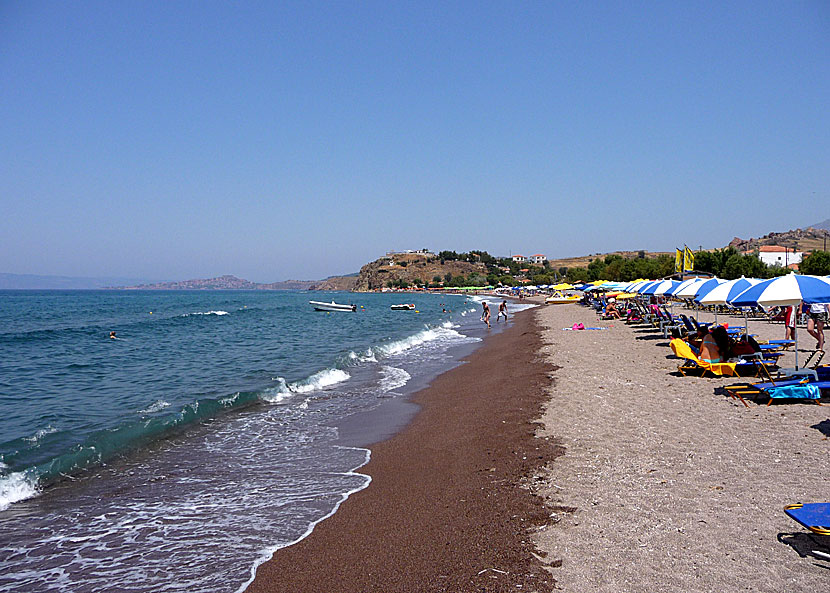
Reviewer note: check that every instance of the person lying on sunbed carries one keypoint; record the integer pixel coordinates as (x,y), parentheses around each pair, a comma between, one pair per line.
(715,345)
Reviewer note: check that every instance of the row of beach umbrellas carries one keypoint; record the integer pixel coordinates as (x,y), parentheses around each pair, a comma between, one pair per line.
(791,289)
(782,291)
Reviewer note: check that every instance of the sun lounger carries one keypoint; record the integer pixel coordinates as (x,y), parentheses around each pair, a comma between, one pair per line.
(793,388)
(815,516)
(693,365)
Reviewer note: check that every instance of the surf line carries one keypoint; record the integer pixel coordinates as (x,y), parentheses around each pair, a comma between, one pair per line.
(268,553)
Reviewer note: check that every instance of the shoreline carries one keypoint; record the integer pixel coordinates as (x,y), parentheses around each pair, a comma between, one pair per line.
(448,507)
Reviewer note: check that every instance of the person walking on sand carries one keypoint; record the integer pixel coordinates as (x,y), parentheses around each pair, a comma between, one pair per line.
(485,314)
(502,310)
(815,324)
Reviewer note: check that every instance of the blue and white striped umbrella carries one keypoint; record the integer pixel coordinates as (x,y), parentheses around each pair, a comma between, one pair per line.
(635,285)
(659,287)
(705,288)
(644,286)
(724,293)
(690,291)
(784,291)
(683,285)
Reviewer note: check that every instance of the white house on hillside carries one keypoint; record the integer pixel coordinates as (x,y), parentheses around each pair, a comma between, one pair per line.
(538,259)
(775,255)
(519,258)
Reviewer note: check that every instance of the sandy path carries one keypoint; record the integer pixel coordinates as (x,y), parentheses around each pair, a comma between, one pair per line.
(676,488)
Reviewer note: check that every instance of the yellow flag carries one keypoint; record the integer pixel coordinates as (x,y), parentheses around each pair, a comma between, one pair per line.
(689,260)
(678,260)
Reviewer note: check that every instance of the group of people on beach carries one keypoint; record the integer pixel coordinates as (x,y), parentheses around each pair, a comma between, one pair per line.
(485,313)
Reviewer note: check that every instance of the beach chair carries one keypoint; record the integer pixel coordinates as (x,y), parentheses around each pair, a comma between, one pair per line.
(800,386)
(815,516)
(669,323)
(693,365)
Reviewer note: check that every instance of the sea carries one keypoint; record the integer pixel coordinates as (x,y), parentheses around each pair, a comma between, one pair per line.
(215,428)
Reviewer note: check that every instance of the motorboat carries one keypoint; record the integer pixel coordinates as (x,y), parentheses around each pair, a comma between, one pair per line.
(332,306)
(403,307)
(557,298)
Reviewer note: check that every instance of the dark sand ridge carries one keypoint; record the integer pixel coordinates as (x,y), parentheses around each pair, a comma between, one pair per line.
(447,509)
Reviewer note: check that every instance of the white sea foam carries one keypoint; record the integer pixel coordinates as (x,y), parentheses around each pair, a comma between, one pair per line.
(206,313)
(40,434)
(15,487)
(393,377)
(156,406)
(439,334)
(367,356)
(268,553)
(320,380)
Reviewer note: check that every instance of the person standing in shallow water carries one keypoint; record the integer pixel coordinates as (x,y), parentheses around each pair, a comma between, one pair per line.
(485,314)
(502,310)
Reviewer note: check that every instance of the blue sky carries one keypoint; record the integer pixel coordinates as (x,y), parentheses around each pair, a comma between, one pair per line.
(173,140)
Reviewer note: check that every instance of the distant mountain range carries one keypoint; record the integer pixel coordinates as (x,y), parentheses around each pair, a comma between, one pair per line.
(36,282)
(227,282)
(822,225)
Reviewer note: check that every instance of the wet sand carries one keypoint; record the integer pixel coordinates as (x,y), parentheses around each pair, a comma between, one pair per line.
(448,508)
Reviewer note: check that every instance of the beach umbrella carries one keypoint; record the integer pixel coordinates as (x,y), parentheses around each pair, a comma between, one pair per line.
(563,286)
(723,293)
(660,287)
(706,287)
(643,286)
(665,288)
(783,291)
(635,285)
(693,289)
(675,292)
(786,291)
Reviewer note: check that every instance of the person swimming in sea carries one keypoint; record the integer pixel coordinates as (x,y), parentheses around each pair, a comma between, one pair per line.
(112,336)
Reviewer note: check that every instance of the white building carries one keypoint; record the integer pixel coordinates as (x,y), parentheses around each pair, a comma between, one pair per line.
(519,258)
(775,255)
(538,259)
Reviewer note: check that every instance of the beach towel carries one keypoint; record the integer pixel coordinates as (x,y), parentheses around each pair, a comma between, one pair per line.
(801,391)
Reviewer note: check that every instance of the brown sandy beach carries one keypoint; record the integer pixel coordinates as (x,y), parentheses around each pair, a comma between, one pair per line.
(635,480)
(443,511)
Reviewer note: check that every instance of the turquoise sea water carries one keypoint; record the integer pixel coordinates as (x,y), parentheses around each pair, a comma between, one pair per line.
(182,453)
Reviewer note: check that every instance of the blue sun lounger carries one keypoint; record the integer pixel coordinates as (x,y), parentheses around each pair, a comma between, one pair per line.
(789,389)
(815,516)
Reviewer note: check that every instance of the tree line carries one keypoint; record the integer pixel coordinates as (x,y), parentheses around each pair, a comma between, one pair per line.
(727,263)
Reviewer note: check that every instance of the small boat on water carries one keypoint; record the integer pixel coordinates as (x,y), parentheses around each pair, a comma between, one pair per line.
(403,307)
(557,298)
(332,306)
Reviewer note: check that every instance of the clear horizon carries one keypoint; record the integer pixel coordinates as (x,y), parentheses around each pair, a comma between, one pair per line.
(191,140)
